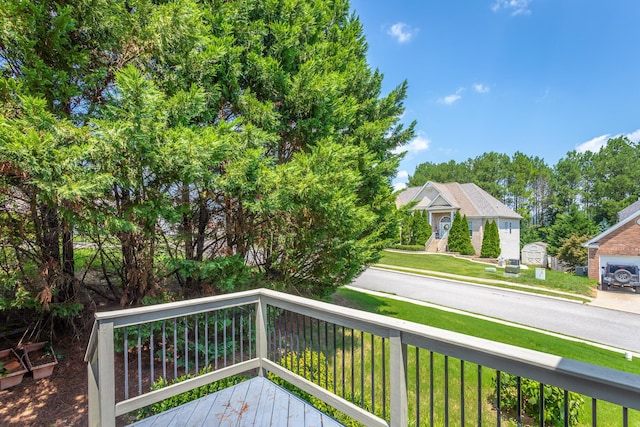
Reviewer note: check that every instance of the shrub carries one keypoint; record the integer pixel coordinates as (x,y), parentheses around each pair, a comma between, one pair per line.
(530,394)
(408,247)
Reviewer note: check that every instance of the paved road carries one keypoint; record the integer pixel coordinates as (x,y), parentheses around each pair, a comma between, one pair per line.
(610,327)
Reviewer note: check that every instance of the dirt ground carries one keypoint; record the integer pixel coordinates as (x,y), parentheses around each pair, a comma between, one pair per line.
(59,400)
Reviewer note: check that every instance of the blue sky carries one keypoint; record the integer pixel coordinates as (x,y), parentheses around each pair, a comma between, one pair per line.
(543,77)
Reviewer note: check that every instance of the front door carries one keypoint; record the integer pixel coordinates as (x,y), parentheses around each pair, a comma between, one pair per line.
(445,226)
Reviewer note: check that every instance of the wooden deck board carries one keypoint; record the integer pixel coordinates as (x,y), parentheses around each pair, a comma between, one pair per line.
(254,403)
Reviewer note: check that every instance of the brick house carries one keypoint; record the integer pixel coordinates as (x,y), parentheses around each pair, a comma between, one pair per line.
(619,244)
(442,201)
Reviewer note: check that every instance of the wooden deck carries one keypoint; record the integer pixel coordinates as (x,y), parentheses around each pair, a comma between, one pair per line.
(256,402)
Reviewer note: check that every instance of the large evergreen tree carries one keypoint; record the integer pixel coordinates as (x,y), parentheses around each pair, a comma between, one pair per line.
(490,241)
(459,238)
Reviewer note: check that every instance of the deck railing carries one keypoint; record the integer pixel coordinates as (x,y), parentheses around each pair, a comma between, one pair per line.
(375,369)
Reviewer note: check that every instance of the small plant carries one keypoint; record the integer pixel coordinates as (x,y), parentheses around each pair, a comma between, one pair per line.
(530,395)
(3,371)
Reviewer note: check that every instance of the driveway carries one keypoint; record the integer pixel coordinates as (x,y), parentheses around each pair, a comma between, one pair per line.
(618,299)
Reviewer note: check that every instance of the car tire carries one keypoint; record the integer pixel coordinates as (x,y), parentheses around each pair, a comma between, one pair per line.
(622,276)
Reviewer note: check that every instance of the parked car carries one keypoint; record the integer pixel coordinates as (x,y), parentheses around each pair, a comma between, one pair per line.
(620,275)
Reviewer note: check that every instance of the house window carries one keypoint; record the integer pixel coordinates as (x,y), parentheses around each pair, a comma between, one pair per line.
(509,227)
(470,229)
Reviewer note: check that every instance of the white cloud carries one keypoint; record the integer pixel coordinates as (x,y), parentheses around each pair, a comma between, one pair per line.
(480,88)
(598,142)
(399,186)
(593,144)
(402,175)
(402,32)
(517,7)
(417,144)
(634,136)
(453,98)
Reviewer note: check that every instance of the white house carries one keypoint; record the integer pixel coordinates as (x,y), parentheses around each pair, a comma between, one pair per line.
(441,201)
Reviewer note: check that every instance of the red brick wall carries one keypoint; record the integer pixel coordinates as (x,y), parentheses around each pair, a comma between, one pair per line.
(623,241)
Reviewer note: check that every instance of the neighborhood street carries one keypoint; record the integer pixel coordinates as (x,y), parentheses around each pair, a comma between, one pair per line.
(601,325)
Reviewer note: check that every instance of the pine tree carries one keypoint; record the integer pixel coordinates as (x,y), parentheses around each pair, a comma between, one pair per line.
(490,241)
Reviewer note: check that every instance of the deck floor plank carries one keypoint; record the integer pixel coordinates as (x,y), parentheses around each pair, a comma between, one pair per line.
(257,402)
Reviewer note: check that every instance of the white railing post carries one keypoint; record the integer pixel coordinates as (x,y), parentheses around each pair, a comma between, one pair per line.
(106,376)
(262,349)
(398,370)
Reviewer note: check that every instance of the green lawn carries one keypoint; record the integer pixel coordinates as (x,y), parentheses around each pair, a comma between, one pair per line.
(555,280)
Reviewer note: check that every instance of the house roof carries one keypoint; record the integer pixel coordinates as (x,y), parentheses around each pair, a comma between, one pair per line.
(629,210)
(628,217)
(470,199)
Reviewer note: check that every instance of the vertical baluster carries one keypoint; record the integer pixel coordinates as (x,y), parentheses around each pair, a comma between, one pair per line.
(186,345)
(417,386)
(344,356)
(335,356)
(175,348)
(319,380)
(139,361)
(566,408)
(250,324)
(446,390)
(311,347)
(362,369)
(594,412)
(304,345)
(297,343)
(206,340)
(224,336)
(215,340)
(519,408)
(164,349)
(498,397)
(541,405)
(625,417)
(126,363)
(461,392)
(373,375)
(479,395)
(196,346)
(353,367)
(241,336)
(431,404)
(291,339)
(326,360)
(233,336)
(384,380)
(151,370)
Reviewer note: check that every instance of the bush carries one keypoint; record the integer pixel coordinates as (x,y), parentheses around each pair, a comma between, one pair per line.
(459,239)
(408,247)
(530,394)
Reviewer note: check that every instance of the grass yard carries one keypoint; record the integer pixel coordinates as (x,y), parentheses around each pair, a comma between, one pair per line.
(555,280)
(607,414)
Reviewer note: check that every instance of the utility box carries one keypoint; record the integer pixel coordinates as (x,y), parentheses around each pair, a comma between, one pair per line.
(512,267)
(540,273)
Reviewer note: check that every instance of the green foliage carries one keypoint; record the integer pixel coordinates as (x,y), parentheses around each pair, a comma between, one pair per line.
(222,274)
(575,222)
(187,396)
(490,241)
(572,252)
(530,394)
(459,238)
(416,248)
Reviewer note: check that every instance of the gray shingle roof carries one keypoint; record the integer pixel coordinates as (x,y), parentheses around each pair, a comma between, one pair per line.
(629,210)
(472,200)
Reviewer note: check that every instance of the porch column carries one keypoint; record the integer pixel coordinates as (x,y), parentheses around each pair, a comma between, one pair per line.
(430,219)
